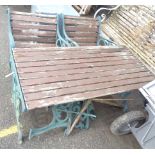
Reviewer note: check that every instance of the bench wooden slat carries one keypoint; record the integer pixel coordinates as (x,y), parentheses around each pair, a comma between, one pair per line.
(82,25)
(20,25)
(73,66)
(80,18)
(35,39)
(87,49)
(64,62)
(79,29)
(73,72)
(33,19)
(59,57)
(87,44)
(84,81)
(81,34)
(84,39)
(61,53)
(93,84)
(44,76)
(33,14)
(21,44)
(30,32)
(55,85)
(91,23)
(82,96)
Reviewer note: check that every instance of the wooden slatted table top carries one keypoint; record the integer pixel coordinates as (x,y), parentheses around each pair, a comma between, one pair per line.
(50,76)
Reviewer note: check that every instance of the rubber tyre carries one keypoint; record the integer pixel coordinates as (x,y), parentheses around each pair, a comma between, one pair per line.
(137,117)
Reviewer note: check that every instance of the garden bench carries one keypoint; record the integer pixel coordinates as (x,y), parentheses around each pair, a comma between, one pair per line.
(58,76)
(82,31)
(65,79)
(33,30)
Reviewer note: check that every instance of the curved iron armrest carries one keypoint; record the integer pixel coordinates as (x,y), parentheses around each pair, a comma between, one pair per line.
(102,39)
(17,91)
(63,32)
(60,41)
(105,42)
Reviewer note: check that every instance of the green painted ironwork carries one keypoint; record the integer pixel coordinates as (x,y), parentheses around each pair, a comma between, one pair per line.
(62,38)
(63,32)
(68,42)
(85,118)
(60,41)
(63,115)
(17,94)
(71,110)
(101,36)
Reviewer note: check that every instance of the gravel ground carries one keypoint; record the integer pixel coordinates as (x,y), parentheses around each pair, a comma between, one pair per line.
(97,136)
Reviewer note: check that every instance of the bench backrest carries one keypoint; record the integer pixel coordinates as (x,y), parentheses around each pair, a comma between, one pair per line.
(33,30)
(82,30)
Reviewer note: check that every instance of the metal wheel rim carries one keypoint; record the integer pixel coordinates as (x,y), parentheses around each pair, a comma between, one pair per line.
(126,128)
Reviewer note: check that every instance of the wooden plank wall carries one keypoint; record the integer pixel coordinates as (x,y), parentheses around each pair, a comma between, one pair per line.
(134,26)
(82,9)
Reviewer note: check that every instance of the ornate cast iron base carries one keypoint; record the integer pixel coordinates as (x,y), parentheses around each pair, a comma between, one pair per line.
(63,115)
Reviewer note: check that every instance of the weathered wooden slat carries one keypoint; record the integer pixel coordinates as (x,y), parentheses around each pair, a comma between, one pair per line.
(73,72)
(20,25)
(85,88)
(75,77)
(40,51)
(149,10)
(127,33)
(132,31)
(138,26)
(43,75)
(100,79)
(89,23)
(35,39)
(89,49)
(70,53)
(146,59)
(80,29)
(33,14)
(56,56)
(33,19)
(133,26)
(30,32)
(87,44)
(21,44)
(137,48)
(74,66)
(141,46)
(85,39)
(131,44)
(64,62)
(62,57)
(140,17)
(81,34)
(79,18)
(83,96)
